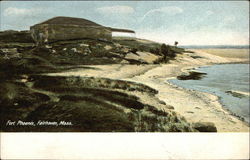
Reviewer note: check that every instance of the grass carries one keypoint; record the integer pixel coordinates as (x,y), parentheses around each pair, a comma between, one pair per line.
(91,104)
(138,45)
(85,116)
(89,109)
(120,98)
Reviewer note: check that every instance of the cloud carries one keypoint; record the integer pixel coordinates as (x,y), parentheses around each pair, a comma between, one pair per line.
(116,10)
(229,19)
(12,11)
(209,13)
(203,36)
(169,10)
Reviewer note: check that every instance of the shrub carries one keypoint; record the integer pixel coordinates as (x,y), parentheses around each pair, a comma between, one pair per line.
(165,50)
(155,51)
(134,50)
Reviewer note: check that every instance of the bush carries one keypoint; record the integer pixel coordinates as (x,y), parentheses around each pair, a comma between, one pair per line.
(155,51)
(165,50)
(134,50)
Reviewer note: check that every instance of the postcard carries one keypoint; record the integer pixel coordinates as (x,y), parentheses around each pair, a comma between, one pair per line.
(125,68)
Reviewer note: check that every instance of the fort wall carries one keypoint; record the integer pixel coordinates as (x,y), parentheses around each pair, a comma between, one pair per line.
(46,33)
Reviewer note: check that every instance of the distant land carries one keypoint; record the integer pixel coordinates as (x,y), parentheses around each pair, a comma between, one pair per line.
(215,46)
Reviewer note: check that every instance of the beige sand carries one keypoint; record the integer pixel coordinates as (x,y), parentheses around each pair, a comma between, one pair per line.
(193,105)
(229,53)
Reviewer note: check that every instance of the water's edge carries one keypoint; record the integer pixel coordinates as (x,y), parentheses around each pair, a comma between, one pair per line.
(219,98)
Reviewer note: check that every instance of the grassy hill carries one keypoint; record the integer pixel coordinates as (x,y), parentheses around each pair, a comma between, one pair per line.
(89,104)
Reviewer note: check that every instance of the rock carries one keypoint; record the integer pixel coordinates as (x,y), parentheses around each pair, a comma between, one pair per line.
(190,112)
(142,57)
(124,61)
(162,102)
(74,49)
(192,75)
(125,49)
(205,126)
(9,50)
(107,47)
(117,45)
(238,94)
(169,107)
(47,46)
(84,45)
(10,53)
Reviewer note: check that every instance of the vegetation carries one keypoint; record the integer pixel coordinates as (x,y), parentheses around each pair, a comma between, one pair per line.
(88,107)
(167,52)
(91,104)
(175,43)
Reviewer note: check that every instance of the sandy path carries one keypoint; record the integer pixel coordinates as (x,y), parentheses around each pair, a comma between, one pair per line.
(193,105)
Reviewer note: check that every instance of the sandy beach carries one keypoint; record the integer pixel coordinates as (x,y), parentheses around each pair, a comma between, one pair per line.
(193,105)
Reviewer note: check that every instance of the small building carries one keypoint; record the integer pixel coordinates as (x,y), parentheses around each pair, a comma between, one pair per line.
(69,28)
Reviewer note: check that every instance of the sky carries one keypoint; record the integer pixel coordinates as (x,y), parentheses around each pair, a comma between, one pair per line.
(188,22)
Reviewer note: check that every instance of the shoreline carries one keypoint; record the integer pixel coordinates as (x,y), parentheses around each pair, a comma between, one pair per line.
(188,69)
(219,97)
(194,106)
(216,98)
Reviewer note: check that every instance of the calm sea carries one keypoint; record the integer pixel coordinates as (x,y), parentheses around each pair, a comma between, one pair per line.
(222,78)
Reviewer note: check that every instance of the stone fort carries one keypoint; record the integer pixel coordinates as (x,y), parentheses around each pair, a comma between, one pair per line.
(69,28)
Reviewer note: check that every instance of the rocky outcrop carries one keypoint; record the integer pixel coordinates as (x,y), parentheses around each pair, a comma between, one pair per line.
(141,57)
(238,94)
(205,127)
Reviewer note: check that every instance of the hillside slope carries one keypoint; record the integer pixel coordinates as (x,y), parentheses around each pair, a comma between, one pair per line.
(80,103)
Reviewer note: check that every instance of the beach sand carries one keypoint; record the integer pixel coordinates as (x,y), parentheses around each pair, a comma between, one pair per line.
(228,53)
(195,106)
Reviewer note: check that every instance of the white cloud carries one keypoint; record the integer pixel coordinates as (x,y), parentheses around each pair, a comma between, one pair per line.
(12,11)
(115,10)
(209,12)
(203,36)
(169,10)
(229,19)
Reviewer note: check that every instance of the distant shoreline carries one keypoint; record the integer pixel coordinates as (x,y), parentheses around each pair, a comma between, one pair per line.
(215,46)
(234,55)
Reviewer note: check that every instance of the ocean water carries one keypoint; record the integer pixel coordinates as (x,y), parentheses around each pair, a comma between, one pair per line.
(222,78)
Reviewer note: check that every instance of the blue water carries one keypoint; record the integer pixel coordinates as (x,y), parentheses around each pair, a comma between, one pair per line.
(219,79)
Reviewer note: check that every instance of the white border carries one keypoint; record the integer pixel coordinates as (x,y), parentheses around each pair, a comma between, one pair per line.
(125,146)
